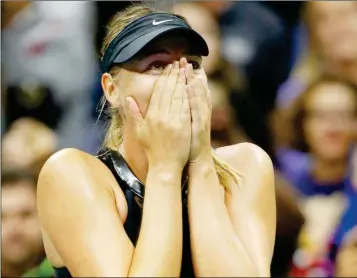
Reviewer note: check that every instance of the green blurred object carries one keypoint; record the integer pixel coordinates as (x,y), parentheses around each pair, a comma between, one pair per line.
(43,270)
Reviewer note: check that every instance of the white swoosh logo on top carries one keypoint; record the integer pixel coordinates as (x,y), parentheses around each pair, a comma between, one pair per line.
(154,22)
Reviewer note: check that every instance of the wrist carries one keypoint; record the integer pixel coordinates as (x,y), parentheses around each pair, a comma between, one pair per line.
(203,165)
(204,157)
(166,170)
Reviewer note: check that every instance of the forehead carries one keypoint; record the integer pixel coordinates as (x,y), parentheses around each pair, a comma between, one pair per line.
(332,96)
(18,195)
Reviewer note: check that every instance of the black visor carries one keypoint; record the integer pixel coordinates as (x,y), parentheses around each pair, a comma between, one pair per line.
(142,31)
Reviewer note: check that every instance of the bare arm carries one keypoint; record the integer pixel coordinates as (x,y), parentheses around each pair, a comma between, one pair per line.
(252,205)
(159,248)
(78,210)
(241,226)
(215,247)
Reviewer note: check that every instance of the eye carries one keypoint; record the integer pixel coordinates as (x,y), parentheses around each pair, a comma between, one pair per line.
(195,65)
(156,66)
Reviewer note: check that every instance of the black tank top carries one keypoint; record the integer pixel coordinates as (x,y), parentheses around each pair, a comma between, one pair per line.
(134,194)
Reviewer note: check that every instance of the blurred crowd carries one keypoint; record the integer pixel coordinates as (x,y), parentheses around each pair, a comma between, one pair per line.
(283,75)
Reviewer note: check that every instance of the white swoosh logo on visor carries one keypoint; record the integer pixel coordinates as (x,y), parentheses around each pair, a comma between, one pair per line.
(154,22)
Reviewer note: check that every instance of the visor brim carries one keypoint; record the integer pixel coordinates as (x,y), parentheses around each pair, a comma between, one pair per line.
(197,43)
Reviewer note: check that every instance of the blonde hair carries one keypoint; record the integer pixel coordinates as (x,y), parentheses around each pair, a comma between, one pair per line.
(114,135)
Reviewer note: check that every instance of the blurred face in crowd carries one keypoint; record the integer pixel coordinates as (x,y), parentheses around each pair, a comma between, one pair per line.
(202,21)
(221,110)
(334,29)
(27,143)
(224,130)
(330,119)
(21,238)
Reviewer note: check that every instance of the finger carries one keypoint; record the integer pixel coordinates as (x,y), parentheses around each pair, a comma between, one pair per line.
(177,99)
(194,103)
(183,62)
(189,73)
(185,109)
(199,86)
(207,92)
(169,90)
(134,111)
(204,84)
(158,90)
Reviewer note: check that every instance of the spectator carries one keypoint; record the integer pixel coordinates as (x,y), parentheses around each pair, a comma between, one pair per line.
(225,130)
(21,240)
(321,124)
(332,33)
(28,144)
(52,43)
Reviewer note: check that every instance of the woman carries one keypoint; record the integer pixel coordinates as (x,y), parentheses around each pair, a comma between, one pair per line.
(202,16)
(21,240)
(321,126)
(332,34)
(95,219)
(320,123)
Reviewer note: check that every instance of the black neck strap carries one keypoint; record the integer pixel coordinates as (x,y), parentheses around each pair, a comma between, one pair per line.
(129,180)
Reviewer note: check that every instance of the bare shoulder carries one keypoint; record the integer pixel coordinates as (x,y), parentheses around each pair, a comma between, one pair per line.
(75,192)
(71,171)
(64,160)
(246,157)
(68,164)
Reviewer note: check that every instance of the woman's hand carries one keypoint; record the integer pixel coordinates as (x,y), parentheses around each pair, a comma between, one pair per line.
(165,132)
(200,106)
